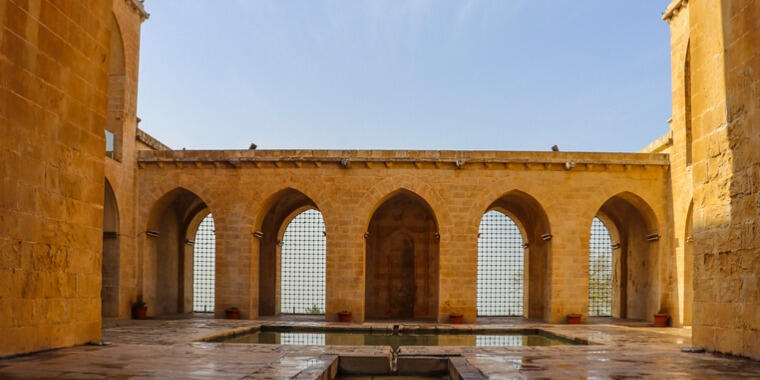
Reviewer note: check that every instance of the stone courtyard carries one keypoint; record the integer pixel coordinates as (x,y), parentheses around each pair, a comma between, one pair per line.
(175,348)
(99,220)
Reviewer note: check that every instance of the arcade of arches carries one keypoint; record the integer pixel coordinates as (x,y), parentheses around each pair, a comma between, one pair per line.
(110,216)
(310,235)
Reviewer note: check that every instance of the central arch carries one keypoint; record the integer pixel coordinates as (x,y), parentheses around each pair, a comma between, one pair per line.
(402,259)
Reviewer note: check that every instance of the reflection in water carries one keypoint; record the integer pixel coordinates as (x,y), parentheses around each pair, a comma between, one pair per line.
(395,341)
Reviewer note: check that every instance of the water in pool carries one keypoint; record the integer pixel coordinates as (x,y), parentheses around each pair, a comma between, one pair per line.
(345,338)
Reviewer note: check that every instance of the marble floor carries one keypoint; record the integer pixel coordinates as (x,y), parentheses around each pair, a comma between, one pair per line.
(177,348)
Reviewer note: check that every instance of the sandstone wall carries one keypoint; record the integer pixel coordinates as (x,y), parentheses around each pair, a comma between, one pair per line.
(53,90)
(121,173)
(239,188)
(677,144)
(725,42)
(716,91)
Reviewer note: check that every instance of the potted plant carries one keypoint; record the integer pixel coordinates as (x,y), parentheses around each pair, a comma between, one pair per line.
(574,319)
(661,318)
(139,309)
(345,316)
(232,313)
(456,318)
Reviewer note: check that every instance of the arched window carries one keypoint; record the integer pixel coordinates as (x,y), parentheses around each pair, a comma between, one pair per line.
(204,254)
(304,256)
(501,266)
(599,271)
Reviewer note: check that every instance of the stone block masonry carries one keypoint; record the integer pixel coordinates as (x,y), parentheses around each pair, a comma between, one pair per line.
(53,85)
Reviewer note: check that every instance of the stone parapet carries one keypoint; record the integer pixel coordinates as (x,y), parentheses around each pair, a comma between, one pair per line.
(418,158)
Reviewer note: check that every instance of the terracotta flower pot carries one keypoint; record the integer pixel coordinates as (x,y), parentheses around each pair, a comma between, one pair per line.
(232,313)
(139,312)
(345,316)
(661,320)
(574,319)
(456,318)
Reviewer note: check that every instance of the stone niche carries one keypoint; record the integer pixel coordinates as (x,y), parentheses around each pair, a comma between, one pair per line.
(402,259)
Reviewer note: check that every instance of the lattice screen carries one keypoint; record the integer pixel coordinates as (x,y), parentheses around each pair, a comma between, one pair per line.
(314,339)
(501,266)
(304,255)
(600,271)
(499,341)
(204,254)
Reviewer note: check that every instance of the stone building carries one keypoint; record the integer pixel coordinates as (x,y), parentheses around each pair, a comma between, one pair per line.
(95,214)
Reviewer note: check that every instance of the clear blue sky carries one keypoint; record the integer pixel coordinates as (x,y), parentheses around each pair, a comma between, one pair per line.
(412,74)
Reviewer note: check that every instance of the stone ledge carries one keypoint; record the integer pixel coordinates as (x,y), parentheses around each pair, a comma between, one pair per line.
(150,141)
(345,158)
(663,142)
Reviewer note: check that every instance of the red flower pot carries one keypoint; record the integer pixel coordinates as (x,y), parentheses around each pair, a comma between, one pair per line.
(345,316)
(574,319)
(232,313)
(139,312)
(661,320)
(456,318)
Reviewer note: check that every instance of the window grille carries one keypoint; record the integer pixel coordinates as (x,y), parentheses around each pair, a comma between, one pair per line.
(500,266)
(499,341)
(204,253)
(303,260)
(600,271)
(314,339)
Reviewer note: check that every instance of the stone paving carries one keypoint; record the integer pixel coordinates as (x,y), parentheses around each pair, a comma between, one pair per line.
(172,348)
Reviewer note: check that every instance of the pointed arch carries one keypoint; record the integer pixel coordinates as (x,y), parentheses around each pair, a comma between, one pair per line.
(401,258)
(169,260)
(531,219)
(286,219)
(636,276)
(400,192)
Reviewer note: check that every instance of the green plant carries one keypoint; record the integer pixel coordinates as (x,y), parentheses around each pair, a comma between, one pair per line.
(139,303)
(314,309)
(233,309)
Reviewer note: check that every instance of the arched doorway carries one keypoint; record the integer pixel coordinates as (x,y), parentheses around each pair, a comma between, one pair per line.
(304,258)
(204,265)
(600,270)
(402,259)
(530,230)
(501,266)
(109,293)
(292,256)
(171,237)
(634,236)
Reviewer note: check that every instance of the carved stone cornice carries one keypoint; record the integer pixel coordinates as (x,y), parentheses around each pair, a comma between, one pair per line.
(150,141)
(359,159)
(673,9)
